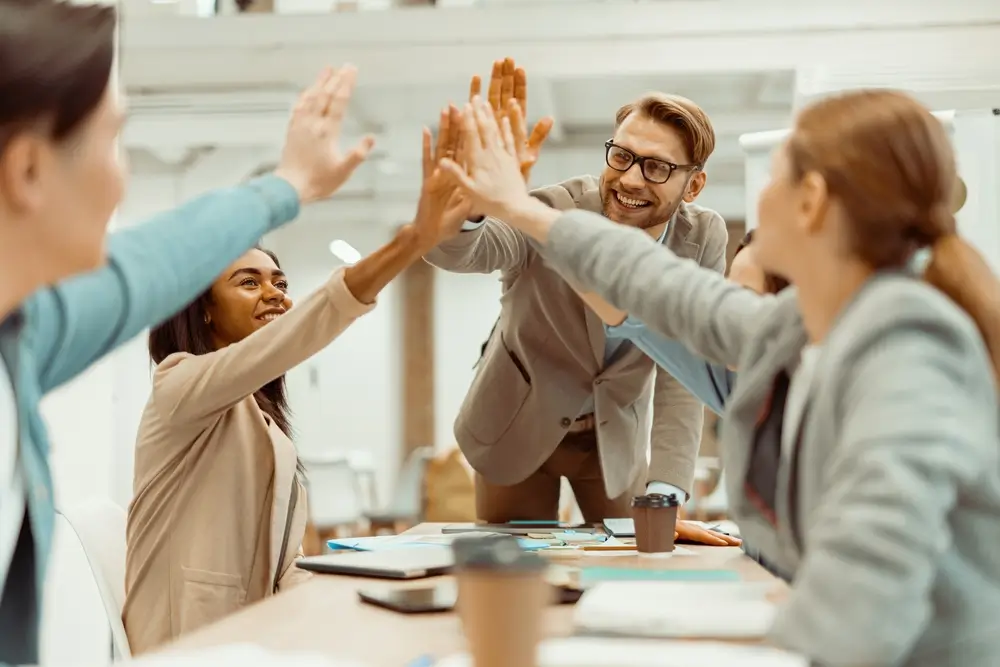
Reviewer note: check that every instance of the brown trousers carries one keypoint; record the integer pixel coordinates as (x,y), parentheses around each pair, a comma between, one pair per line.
(537,497)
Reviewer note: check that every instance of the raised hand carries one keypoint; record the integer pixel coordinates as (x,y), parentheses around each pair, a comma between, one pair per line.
(510,83)
(312,159)
(443,205)
(487,167)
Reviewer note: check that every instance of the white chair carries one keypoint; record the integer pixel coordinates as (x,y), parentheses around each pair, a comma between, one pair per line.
(407,506)
(335,498)
(99,525)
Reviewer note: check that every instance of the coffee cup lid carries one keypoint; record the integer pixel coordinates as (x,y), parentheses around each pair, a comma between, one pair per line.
(657,500)
(500,553)
(640,501)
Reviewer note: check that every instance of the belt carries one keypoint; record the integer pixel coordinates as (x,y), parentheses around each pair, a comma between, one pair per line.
(583,423)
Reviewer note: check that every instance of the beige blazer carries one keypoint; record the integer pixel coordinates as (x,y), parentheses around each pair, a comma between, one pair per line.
(547,358)
(219,512)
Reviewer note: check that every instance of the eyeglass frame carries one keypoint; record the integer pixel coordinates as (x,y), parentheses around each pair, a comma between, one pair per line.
(641,161)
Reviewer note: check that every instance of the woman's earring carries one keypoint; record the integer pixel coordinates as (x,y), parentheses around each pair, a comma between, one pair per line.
(208,320)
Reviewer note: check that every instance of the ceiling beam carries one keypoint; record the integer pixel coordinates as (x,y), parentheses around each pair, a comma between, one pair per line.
(594,40)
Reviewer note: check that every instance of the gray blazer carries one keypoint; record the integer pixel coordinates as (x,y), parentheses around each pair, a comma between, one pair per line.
(886,514)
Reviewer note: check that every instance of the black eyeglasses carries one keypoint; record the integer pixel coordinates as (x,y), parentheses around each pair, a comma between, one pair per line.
(653,169)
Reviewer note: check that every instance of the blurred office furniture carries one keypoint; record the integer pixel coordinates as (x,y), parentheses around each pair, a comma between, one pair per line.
(99,525)
(335,500)
(449,489)
(406,509)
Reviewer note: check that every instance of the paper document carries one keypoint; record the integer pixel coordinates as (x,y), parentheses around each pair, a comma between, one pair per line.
(601,652)
(386,542)
(723,610)
(244,655)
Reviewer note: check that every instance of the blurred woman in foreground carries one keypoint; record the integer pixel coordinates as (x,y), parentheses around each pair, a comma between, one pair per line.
(860,441)
(61,179)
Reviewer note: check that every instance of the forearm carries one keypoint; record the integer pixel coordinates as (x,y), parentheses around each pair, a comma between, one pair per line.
(370,275)
(678,418)
(608,313)
(483,247)
(153,270)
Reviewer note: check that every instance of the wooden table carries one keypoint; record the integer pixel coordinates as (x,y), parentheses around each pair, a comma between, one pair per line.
(325,615)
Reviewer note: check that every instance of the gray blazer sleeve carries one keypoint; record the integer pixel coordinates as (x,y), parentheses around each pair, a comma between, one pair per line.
(920,424)
(672,296)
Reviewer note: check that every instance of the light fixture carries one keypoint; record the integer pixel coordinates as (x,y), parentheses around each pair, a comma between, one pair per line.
(344,251)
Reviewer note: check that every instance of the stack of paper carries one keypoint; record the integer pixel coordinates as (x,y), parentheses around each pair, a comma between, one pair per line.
(593,652)
(244,655)
(676,609)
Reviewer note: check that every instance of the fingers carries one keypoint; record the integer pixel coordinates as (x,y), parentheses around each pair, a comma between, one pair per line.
(506,83)
(475,87)
(454,149)
(444,130)
(427,160)
(313,99)
(515,113)
(486,125)
(507,137)
(521,89)
(455,170)
(341,87)
(496,83)
(357,155)
(540,133)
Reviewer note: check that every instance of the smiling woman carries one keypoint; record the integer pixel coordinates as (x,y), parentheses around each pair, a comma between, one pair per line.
(250,293)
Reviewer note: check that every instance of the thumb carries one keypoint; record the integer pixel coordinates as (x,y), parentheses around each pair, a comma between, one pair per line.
(455,171)
(358,154)
(540,132)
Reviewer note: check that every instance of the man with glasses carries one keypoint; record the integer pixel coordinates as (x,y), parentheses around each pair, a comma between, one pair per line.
(553,396)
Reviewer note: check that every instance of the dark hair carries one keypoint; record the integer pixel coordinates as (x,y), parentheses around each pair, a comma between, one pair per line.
(772,283)
(680,113)
(55,65)
(187,331)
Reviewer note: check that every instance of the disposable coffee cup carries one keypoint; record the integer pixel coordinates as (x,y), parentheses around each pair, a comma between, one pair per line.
(502,596)
(654,532)
(640,513)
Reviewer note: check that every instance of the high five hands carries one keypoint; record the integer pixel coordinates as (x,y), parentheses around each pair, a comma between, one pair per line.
(509,82)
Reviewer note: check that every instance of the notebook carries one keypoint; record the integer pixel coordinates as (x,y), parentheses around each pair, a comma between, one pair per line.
(675,610)
(601,652)
(413,563)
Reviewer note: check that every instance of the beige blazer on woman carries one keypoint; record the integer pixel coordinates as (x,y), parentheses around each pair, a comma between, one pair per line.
(219,513)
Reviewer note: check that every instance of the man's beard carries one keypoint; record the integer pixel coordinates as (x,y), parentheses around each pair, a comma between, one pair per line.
(652,220)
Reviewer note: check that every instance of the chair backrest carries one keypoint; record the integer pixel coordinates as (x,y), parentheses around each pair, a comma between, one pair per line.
(99,524)
(408,499)
(334,492)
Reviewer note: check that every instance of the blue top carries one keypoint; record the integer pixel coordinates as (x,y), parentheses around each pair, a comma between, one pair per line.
(153,270)
(709,383)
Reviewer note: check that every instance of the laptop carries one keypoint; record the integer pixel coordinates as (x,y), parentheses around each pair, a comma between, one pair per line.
(415,563)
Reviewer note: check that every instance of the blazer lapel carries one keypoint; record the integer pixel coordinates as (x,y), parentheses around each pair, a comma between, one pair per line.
(284,477)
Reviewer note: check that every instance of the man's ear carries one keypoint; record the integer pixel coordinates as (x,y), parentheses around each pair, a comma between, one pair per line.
(694,187)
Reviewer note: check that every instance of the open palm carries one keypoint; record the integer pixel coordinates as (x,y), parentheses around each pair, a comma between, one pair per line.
(509,83)
(443,205)
(312,159)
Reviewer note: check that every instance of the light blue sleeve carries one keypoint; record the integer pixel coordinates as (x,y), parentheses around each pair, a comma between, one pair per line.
(709,383)
(153,270)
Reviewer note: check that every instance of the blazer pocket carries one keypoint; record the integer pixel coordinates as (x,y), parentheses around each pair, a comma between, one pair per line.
(208,597)
(503,388)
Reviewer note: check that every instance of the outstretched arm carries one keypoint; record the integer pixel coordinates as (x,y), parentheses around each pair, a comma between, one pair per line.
(673,296)
(153,270)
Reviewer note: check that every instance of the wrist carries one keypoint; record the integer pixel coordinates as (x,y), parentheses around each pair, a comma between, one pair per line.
(299,183)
